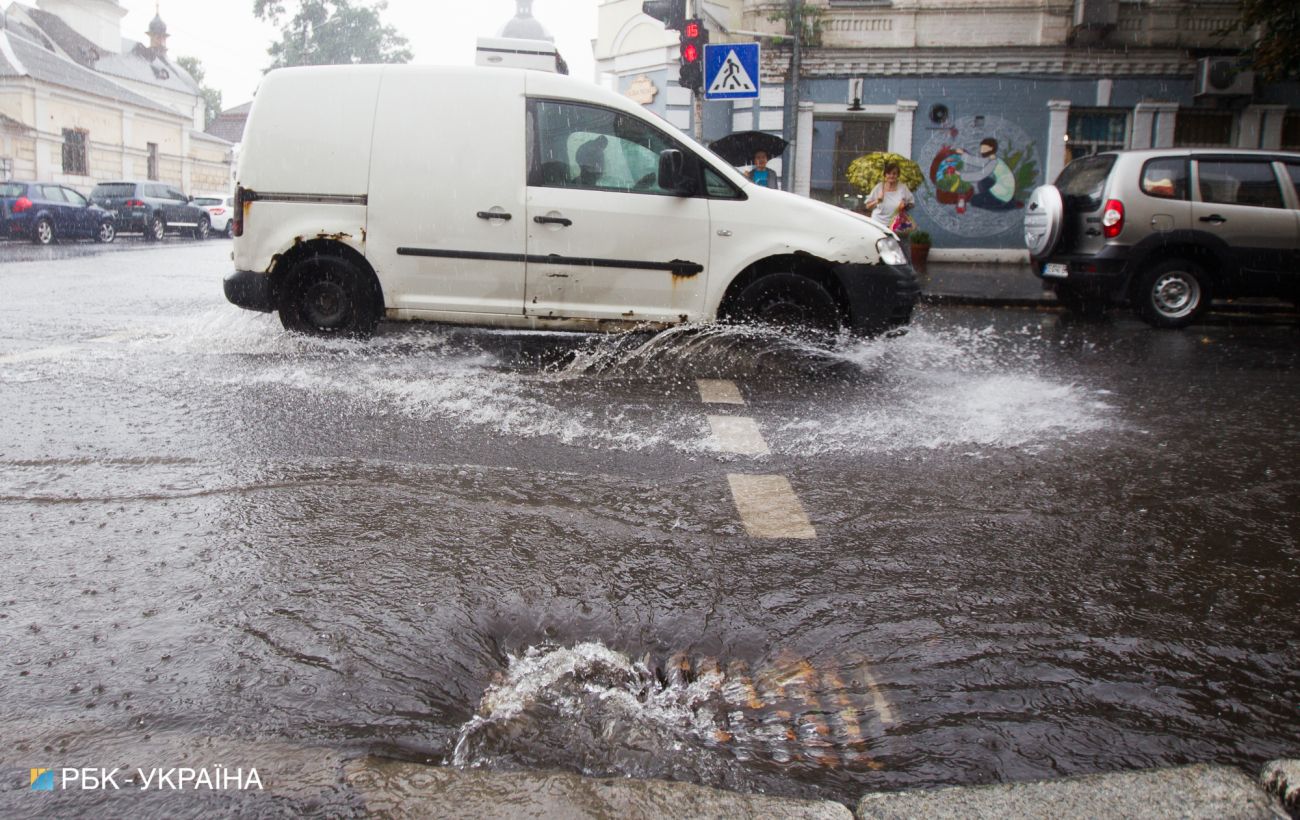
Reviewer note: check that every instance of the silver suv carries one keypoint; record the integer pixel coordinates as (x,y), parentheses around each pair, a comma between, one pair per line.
(1166,230)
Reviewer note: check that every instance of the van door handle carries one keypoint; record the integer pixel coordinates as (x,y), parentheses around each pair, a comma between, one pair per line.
(552,220)
(505,217)
(1214,218)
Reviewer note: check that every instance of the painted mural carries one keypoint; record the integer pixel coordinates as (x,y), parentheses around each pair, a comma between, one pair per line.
(979,172)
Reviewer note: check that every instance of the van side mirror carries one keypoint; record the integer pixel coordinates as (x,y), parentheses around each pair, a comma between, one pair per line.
(673,174)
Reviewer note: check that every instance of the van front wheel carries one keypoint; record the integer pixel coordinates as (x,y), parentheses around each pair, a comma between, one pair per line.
(788,302)
(327,296)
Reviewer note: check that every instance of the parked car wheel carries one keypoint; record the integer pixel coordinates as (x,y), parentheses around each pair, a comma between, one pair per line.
(43,233)
(327,296)
(155,229)
(789,302)
(203,229)
(229,232)
(1172,294)
(107,232)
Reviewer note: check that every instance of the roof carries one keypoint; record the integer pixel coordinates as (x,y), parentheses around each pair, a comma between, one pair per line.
(229,125)
(20,57)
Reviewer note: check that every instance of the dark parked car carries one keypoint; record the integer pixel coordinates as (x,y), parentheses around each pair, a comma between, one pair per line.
(152,208)
(44,212)
(1167,230)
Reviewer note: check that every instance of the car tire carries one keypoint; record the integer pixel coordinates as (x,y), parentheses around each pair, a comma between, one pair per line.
(229,232)
(107,232)
(789,302)
(155,229)
(43,232)
(203,229)
(1172,294)
(1080,304)
(328,296)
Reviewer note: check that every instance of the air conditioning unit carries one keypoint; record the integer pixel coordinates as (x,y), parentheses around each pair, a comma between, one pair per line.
(1223,77)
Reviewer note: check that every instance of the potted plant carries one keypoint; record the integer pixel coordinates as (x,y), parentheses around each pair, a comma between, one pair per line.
(920,248)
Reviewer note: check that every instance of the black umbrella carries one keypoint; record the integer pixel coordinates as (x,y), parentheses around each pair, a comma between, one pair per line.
(739,148)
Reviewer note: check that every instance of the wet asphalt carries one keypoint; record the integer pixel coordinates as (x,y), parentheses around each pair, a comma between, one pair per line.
(1040,546)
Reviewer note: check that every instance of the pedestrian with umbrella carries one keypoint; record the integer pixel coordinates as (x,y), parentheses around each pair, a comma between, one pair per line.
(753,148)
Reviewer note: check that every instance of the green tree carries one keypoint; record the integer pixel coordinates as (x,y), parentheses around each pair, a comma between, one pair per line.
(331,32)
(211,96)
(1275,27)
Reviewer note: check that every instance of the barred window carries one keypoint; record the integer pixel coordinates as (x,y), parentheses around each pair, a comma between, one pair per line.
(1291,132)
(75,160)
(1092,131)
(1203,129)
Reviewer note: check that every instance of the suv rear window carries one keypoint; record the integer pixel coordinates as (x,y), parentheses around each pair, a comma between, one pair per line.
(1082,181)
(12,189)
(1165,178)
(206,200)
(114,189)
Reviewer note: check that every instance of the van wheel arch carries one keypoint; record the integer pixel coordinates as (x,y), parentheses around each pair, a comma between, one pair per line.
(812,268)
(323,247)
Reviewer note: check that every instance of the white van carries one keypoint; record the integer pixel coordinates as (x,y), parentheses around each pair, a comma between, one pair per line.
(526,199)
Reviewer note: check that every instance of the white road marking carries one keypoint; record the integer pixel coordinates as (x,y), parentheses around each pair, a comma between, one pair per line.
(769,508)
(738,434)
(719,391)
(33,355)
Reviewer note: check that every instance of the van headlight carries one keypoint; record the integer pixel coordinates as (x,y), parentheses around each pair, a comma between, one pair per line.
(891,253)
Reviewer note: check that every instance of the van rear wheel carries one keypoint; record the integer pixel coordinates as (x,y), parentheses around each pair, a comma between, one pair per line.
(789,302)
(327,296)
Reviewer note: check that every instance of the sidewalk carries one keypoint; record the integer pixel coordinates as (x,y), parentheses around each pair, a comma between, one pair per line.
(967,283)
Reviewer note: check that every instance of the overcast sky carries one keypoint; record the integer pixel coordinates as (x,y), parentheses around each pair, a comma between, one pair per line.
(232,44)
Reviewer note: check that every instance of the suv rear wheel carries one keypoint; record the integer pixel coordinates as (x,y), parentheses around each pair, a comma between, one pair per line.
(202,229)
(1172,293)
(43,234)
(327,296)
(155,228)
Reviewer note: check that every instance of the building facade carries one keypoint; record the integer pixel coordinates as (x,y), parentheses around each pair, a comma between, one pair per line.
(80,105)
(1037,81)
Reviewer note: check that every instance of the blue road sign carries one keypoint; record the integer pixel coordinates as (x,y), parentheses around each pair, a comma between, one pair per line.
(730,71)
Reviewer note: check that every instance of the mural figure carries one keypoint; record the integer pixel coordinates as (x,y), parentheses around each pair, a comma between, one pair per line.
(981,171)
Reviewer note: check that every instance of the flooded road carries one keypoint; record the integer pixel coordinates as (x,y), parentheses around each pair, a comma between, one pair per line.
(1030,547)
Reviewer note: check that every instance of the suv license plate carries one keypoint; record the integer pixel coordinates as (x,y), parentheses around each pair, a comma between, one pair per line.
(1055,270)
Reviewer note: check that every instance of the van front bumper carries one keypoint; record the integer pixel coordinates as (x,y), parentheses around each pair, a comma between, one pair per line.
(250,290)
(881,297)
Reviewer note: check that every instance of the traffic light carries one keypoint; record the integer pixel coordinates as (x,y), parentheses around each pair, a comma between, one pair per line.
(672,13)
(694,36)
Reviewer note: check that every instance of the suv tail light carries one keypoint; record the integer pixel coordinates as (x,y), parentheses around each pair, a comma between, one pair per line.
(134,203)
(1112,218)
(22,204)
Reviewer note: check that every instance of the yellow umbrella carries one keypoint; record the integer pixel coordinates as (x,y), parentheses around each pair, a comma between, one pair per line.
(869,169)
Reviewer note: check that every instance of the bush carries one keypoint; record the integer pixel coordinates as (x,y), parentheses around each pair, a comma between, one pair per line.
(920,238)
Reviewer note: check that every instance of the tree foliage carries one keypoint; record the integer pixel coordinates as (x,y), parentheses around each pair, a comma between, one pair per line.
(331,32)
(211,96)
(1275,27)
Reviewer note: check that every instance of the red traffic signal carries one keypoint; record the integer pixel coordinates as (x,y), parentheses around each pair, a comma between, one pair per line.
(694,36)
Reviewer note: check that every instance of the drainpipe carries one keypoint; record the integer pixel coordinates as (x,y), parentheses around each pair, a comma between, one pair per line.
(791,124)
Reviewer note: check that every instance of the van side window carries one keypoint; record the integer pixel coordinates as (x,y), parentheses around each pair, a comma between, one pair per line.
(584,146)
(1165,178)
(1232,182)
(717,187)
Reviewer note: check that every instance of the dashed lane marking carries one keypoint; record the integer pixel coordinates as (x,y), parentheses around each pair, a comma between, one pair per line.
(34,355)
(769,508)
(878,698)
(738,434)
(719,391)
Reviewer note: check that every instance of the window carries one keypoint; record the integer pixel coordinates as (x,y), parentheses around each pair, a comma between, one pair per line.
(6,167)
(582,146)
(836,143)
(1294,171)
(1165,178)
(153,160)
(1083,181)
(1203,128)
(719,188)
(75,198)
(50,193)
(1239,183)
(1291,132)
(74,152)
(1092,131)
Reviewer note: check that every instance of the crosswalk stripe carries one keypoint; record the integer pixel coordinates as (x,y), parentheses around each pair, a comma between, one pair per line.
(738,434)
(719,391)
(768,507)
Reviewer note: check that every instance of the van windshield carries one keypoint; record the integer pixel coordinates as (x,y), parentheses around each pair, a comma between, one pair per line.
(1082,181)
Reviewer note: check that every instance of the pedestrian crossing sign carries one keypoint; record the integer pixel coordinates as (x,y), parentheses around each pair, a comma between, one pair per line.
(730,71)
